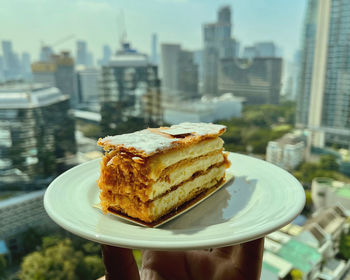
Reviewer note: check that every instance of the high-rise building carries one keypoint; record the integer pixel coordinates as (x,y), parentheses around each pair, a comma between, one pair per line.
(218,44)
(324,95)
(154,52)
(58,72)
(107,53)
(82,53)
(45,53)
(260,49)
(87,84)
(90,60)
(36,132)
(257,80)
(198,60)
(11,61)
(2,69)
(25,66)
(180,73)
(129,88)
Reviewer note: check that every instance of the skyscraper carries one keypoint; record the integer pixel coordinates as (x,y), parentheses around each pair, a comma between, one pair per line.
(260,49)
(82,54)
(258,81)
(154,52)
(2,69)
(180,73)
(107,53)
(129,90)
(37,130)
(324,98)
(58,72)
(45,53)
(87,84)
(218,44)
(25,66)
(307,63)
(11,61)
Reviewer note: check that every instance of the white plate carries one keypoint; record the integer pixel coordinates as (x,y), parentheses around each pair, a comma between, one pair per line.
(261,199)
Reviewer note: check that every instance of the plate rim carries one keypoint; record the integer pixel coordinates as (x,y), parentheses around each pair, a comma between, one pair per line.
(184,245)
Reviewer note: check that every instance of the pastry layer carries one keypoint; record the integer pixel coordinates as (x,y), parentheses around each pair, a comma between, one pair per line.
(154,209)
(163,160)
(183,170)
(123,173)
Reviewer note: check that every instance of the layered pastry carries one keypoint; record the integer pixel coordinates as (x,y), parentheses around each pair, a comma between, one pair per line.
(149,173)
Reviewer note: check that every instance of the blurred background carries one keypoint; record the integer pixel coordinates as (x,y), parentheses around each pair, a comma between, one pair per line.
(276,73)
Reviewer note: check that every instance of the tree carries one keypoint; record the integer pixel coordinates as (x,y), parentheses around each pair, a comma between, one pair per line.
(3,265)
(329,162)
(58,259)
(344,246)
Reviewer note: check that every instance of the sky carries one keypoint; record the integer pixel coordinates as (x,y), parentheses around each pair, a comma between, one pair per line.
(29,23)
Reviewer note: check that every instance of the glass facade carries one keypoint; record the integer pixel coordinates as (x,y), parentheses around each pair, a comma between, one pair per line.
(307,61)
(37,134)
(336,103)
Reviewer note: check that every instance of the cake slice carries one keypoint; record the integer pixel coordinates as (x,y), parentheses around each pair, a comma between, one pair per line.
(149,173)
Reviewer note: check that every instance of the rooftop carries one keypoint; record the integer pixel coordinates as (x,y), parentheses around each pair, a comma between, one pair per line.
(340,188)
(26,95)
(300,255)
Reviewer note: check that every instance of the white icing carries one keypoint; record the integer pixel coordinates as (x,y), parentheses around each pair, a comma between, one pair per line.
(194,128)
(143,140)
(149,141)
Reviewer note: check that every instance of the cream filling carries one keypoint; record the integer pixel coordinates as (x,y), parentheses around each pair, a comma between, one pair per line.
(185,192)
(163,160)
(183,173)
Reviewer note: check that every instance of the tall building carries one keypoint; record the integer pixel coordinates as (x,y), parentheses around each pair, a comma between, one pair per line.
(11,61)
(25,66)
(257,80)
(260,49)
(58,72)
(2,69)
(180,73)
(36,132)
(129,89)
(306,63)
(107,53)
(90,60)
(154,51)
(87,84)
(45,53)
(82,53)
(198,60)
(218,44)
(324,97)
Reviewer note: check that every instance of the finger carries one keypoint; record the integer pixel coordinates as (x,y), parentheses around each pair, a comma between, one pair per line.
(119,263)
(250,258)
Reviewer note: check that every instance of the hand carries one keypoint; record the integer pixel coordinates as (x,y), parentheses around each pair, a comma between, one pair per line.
(235,262)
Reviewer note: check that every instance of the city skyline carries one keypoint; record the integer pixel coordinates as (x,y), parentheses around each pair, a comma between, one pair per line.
(175,22)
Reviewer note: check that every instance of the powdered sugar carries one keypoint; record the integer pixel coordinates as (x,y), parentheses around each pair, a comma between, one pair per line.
(150,141)
(194,128)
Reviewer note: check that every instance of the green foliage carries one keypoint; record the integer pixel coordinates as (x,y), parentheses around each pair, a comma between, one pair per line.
(3,265)
(344,246)
(60,259)
(296,274)
(326,167)
(257,127)
(329,162)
